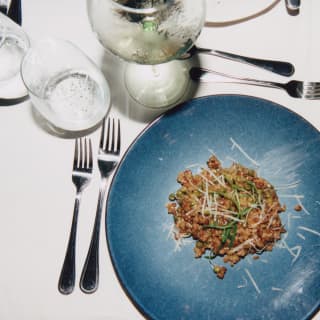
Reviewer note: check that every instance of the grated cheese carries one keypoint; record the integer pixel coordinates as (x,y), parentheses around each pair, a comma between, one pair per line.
(220,179)
(276,289)
(236,145)
(294,251)
(317,233)
(252,280)
(301,236)
(240,246)
(244,284)
(295,196)
(291,185)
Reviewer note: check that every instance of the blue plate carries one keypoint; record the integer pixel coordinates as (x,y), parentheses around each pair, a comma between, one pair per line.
(161,275)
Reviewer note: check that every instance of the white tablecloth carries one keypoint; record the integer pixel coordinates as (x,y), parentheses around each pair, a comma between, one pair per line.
(36,192)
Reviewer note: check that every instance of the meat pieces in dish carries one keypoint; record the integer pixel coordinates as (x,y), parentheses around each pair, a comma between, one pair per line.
(229,212)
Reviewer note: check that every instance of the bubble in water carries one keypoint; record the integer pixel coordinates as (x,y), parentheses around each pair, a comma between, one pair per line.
(74,96)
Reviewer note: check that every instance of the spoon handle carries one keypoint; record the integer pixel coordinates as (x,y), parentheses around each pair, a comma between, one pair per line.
(279,67)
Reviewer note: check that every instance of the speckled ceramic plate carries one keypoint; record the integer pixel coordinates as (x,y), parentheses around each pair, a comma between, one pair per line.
(161,276)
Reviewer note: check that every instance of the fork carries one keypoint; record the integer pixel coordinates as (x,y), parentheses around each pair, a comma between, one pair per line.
(81,176)
(108,158)
(296,89)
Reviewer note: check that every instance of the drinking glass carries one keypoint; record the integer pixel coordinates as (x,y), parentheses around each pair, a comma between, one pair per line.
(65,86)
(13,45)
(152,33)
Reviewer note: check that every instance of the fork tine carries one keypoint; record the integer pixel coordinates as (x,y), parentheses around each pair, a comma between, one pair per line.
(119,139)
(112,138)
(314,85)
(81,155)
(312,96)
(311,90)
(101,144)
(90,165)
(108,136)
(85,153)
(76,155)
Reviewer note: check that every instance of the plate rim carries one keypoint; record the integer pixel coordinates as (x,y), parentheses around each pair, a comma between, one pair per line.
(131,296)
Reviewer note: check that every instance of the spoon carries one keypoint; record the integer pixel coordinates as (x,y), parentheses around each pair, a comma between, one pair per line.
(279,67)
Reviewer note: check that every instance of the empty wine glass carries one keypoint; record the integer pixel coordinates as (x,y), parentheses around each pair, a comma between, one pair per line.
(152,34)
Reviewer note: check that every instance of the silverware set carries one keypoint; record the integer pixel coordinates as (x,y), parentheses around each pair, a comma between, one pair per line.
(82,172)
(296,89)
(108,158)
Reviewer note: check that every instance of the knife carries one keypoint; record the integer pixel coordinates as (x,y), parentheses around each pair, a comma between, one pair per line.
(3,6)
(14,12)
(293,7)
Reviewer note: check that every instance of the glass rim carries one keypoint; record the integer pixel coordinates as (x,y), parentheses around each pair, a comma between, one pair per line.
(145,11)
(31,50)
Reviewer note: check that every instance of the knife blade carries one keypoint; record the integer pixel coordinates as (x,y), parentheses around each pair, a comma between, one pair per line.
(14,11)
(4,6)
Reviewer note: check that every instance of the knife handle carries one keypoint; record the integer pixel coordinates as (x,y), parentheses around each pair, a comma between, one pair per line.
(14,12)
(279,67)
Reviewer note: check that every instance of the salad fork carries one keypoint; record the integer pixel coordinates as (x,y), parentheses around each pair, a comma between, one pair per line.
(81,176)
(294,88)
(108,157)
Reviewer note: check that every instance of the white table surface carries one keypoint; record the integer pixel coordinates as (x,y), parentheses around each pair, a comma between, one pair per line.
(36,192)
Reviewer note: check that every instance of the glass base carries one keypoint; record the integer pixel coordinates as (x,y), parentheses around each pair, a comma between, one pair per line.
(157,86)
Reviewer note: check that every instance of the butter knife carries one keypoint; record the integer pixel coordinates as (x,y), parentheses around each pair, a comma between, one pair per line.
(14,11)
(282,68)
(4,6)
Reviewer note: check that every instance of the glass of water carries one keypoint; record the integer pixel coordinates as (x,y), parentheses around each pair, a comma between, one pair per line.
(65,86)
(13,45)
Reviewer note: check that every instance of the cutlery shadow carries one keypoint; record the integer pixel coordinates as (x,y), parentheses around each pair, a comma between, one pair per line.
(113,68)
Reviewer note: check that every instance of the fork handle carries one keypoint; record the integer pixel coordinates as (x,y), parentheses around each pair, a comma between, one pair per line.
(89,280)
(68,271)
(207,75)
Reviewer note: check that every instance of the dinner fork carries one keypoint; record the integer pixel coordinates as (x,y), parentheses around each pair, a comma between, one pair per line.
(81,176)
(108,157)
(296,89)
